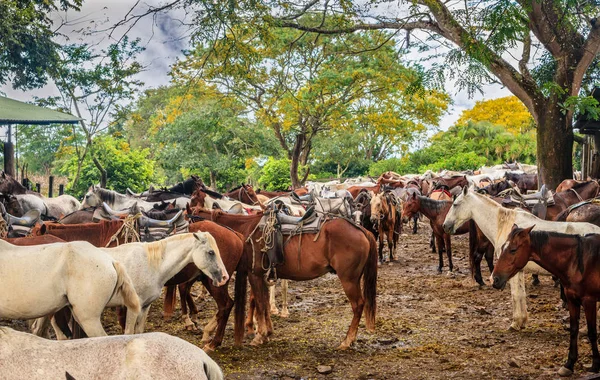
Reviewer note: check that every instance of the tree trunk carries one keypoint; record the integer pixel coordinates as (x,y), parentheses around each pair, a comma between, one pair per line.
(554,145)
(103,174)
(296,183)
(213,180)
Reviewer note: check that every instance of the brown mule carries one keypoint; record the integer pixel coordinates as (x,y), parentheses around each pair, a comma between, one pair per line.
(340,247)
(384,214)
(575,261)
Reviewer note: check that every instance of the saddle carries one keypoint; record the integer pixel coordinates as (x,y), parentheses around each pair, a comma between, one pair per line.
(275,225)
(308,198)
(152,229)
(514,197)
(106,213)
(21,226)
(334,206)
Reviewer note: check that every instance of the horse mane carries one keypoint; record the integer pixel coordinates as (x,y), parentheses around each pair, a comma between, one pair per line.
(506,220)
(155,250)
(106,195)
(235,188)
(213,194)
(432,204)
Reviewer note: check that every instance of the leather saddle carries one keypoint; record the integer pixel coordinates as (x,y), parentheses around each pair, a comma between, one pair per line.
(308,198)
(28,220)
(130,193)
(307,218)
(107,213)
(174,221)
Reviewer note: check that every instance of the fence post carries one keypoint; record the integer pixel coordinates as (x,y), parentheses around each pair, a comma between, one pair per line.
(50,186)
(26,183)
(38,188)
(61,189)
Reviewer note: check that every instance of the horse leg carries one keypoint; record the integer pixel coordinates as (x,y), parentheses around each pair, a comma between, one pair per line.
(140,324)
(432,242)
(589,306)
(448,244)
(415,217)
(519,302)
(477,267)
(225,304)
(380,245)
(284,299)
(89,320)
(59,329)
(192,303)
(184,294)
(185,314)
(390,241)
(352,289)
(489,257)
(169,304)
(41,326)
(250,317)
(535,280)
(440,247)
(574,313)
(209,329)
(261,299)
(272,303)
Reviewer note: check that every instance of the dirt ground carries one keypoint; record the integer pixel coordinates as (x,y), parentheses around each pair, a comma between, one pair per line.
(429,326)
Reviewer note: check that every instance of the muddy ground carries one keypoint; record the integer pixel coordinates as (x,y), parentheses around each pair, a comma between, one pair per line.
(429,326)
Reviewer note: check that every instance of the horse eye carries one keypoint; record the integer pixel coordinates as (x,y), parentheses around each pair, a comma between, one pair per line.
(211,252)
(513,250)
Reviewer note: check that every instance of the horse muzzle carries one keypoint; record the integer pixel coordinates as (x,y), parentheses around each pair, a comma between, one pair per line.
(448,228)
(498,282)
(224,278)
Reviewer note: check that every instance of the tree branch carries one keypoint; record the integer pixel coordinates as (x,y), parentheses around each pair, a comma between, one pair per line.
(589,51)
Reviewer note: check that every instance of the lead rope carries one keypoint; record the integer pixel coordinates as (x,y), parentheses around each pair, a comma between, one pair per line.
(3,228)
(128,230)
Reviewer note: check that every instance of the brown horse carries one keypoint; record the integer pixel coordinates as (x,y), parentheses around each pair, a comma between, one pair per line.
(436,212)
(452,182)
(34,240)
(575,261)
(579,192)
(340,247)
(569,184)
(97,234)
(524,182)
(587,212)
(384,215)
(244,194)
(231,246)
(355,190)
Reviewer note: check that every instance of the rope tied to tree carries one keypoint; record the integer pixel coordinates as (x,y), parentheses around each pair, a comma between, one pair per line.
(128,231)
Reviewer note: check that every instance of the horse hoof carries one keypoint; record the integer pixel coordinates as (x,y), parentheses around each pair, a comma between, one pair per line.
(343,347)
(257,341)
(439,271)
(564,372)
(208,349)
(514,327)
(191,328)
(274,311)
(593,369)
(285,314)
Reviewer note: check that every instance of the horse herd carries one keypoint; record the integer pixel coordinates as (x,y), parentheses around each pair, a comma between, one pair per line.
(66,271)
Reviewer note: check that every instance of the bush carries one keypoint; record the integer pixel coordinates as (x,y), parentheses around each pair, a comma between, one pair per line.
(457,162)
(275,174)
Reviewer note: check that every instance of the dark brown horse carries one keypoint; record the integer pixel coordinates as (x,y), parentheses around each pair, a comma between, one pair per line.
(231,246)
(524,182)
(362,203)
(575,261)
(569,184)
(495,188)
(436,212)
(11,204)
(451,182)
(340,247)
(584,212)
(97,234)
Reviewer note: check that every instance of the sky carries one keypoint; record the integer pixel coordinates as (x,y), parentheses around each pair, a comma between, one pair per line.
(164,40)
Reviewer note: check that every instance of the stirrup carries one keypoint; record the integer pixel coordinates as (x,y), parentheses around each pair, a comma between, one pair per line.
(271,281)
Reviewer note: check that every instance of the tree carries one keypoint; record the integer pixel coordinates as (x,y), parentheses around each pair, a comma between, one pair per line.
(302,87)
(27,51)
(93,85)
(126,167)
(198,130)
(481,38)
(507,111)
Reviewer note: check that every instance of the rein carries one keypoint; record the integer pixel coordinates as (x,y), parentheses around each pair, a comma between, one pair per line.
(128,230)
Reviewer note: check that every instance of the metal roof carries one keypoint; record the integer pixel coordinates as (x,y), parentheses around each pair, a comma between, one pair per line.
(16,112)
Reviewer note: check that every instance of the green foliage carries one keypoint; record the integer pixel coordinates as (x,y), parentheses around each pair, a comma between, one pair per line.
(458,162)
(126,167)
(394,164)
(27,51)
(276,174)
(38,145)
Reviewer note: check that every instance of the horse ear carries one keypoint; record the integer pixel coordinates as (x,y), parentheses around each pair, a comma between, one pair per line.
(188,208)
(174,202)
(528,230)
(414,195)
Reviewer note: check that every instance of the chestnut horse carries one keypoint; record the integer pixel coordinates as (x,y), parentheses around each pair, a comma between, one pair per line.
(244,194)
(384,215)
(575,261)
(340,247)
(231,246)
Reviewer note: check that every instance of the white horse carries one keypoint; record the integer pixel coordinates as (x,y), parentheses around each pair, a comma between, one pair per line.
(229,205)
(39,280)
(151,265)
(52,207)
(496,223)
(146,356)
(96,195)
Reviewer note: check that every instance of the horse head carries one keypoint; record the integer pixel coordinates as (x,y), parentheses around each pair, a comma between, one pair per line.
(91,198)
(460,211)
(516,252)
(207,258)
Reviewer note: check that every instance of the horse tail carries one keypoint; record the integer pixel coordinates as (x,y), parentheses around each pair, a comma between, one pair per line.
(125,286)
(370,283)
(241,284)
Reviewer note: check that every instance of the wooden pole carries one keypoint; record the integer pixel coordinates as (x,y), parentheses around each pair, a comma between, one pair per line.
(38,188)
(50,186)
(61,189)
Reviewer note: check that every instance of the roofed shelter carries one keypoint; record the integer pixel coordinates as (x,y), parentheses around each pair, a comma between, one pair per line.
(14,112)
